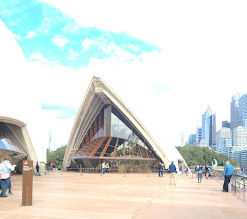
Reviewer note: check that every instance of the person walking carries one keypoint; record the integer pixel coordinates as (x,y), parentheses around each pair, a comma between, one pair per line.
(172,171)
(37,169)
(5,170)
(199,175)
(163,169)
(186,171)
(181,170)
(107,168)
(160,169)
(227,173)
(54,166)
(207,171)
(103,168)
(10,186)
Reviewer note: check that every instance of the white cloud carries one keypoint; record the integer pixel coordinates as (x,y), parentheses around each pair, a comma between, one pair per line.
(71,28)
(87,43)
(72,54)
(115,52)
(38,57)
(60,41)
(30,34)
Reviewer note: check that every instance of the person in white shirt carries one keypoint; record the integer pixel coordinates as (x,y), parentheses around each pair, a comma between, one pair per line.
(5,170)
(103,168)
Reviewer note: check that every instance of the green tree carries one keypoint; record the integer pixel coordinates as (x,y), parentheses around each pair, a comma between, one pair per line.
(57,156)
(233,162)
(194,155)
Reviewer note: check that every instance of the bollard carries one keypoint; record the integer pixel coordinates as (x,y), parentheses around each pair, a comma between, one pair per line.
(125,173)
(27,183)
(148,173)
(80,170)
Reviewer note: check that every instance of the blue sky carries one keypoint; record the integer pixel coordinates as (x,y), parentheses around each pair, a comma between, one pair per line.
(45,33)
(43,29)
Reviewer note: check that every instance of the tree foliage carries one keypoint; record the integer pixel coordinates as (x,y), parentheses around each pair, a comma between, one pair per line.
(194,155)
(57,156)
(233,162)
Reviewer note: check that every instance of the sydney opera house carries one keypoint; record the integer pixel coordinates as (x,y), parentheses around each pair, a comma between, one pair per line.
(15,140)
(105,130)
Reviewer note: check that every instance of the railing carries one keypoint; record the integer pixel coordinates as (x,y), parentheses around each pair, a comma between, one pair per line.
(237,184)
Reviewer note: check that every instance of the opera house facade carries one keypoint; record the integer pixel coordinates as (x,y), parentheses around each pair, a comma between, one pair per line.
(15,142)
(105,130)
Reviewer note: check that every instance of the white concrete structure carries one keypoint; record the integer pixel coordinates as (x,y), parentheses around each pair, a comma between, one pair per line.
(97,96)
(15,91)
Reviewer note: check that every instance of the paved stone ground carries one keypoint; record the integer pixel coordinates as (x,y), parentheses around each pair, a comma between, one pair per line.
(71,195)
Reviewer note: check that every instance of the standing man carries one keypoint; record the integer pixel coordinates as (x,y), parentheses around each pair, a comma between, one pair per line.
(172,170)
(37,169)
(227,173)
(103,168)
(160,169)
(5,170)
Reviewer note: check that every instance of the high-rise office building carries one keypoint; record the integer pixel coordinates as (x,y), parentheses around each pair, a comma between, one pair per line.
(198,135)
(226,124)
(209,127)
(239,139)
(235,111)
(243,110)
(224,141)
(192,139)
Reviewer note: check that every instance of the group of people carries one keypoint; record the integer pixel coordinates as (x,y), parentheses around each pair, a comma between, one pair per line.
(5,174)
(204,170)
(201,170)
(105,168)
(51,166)
(161,168)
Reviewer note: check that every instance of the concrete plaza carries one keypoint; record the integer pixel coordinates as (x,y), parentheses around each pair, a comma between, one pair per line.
(71,195)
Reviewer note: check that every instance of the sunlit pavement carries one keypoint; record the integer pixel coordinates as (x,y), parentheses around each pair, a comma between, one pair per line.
(71,195)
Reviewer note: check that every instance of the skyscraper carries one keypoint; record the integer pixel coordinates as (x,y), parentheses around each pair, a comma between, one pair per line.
(239,138)
(243,110)
(209,127)
(235,112)
(226,124)
(224,141)
(192,139)
(198,135)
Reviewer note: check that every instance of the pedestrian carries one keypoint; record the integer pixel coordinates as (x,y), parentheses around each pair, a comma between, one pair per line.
(172,171)
(204,169)
(107,167)
(10,186)
(5,170)
(163,169)
(227,173)
(181,170)
(186,171)
(37,169)
(210,170)
(48,166)
(54,166)
(197,167)
(103,168)
(160,169)
(207,171)
(199,175)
